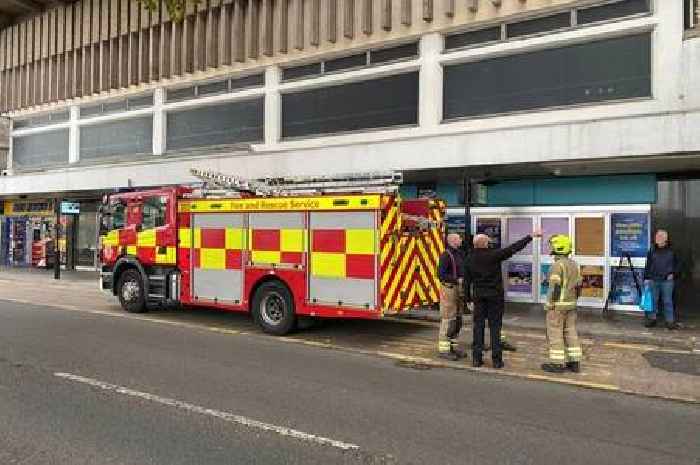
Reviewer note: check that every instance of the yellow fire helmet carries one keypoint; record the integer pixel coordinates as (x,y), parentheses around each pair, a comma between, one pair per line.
(560,244)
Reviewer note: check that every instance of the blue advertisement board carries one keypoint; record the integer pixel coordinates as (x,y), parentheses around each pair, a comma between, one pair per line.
(629,234)
(625,290)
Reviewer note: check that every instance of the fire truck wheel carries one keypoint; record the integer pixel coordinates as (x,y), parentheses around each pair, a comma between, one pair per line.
(273,308)
(130,291)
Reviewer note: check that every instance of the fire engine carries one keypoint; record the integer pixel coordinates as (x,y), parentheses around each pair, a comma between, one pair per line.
(283,249)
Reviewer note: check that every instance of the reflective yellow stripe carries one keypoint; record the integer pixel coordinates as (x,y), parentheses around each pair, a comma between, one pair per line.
(168,257)
(185,236)
(131,250)
(360,241)
(444,346)
(234,239)
(342,202)
(197,238)
(265,256)
(111,238)
(292,240)
(330,265)
(146,238)
(212,259)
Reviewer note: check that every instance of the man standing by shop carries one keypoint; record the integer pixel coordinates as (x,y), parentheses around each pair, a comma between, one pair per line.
(484,280)
(451,275)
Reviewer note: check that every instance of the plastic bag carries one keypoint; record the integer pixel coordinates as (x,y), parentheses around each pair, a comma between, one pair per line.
(646,303)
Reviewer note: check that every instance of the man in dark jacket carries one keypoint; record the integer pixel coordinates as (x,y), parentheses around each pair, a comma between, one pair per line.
(485,284)
(660,273)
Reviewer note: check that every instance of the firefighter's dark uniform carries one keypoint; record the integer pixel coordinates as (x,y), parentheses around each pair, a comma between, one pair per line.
(485,280)
(451,275)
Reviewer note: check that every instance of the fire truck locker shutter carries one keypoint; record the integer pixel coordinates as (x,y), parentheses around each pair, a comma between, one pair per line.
(277,238)
(343,258)
(217,247)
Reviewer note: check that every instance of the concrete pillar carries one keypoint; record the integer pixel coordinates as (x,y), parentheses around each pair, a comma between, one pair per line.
(273,105)
(74,135)
(159,122)
(430,84)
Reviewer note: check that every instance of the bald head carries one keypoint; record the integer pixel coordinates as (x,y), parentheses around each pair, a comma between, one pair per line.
(454,240)
(481,241)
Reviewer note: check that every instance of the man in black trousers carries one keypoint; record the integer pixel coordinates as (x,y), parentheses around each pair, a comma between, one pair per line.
(484,283)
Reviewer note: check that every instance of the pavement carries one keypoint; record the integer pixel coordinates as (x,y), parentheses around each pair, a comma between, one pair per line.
(91,386)
(620,355)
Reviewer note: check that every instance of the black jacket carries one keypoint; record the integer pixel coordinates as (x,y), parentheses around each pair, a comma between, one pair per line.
(483,276)
(661,262)
(449,271)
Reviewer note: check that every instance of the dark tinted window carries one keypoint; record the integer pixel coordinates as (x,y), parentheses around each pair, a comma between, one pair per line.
(228,123)
(613,10)
(218,87)
(394,53)
(38,150)
(140,101)
(297,72)
(131,136)
(176,95)
(465,39)
(593,72)
(255,80)
(154,212)
(378,103)
(353,61)
(538,25)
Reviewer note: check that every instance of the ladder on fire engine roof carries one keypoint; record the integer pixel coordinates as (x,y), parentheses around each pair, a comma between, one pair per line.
(370,182)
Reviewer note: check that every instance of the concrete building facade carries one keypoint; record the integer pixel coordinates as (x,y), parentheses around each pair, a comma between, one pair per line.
(548,103)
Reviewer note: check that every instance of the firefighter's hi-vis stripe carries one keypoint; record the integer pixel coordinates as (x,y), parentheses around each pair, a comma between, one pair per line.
(148,245)
(409,260)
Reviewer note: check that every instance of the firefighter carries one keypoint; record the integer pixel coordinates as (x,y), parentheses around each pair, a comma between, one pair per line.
(451,275)
(564,287)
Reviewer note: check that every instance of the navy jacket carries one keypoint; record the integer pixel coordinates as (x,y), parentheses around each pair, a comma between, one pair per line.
(483,276)
(661,262)
(449,271)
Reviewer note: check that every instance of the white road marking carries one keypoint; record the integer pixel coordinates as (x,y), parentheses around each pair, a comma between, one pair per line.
(226,416)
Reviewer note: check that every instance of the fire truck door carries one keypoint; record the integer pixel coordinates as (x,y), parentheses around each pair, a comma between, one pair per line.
(343,258)
(219,241)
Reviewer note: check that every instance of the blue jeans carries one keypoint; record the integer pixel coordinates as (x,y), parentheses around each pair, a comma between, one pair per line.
(663,289)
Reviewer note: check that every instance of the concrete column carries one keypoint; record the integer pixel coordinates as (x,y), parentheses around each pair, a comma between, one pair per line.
(430,84)
(8,169)
(159,122)
(273,105)
(74,135)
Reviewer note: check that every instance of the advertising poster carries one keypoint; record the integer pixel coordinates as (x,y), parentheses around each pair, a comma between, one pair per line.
(520,277)
(629,234)
(625,291)
(544,279)
(455,224)
(492,228)
(552,227)
(517,229)
(590,237)
(593,286)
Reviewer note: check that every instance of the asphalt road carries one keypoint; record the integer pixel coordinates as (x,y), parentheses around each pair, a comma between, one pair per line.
(79,388)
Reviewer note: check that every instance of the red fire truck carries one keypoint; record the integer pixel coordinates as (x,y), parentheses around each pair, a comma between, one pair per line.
(281,249)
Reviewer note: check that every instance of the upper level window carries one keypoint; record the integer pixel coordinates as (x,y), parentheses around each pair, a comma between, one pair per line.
(612,10)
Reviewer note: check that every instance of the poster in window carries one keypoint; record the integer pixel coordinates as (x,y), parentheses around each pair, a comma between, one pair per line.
(520,277)
(552,227)
(492,228)
(544,279)
(629,234)
(590,237)
(517,229)
(624,290)
(593,282)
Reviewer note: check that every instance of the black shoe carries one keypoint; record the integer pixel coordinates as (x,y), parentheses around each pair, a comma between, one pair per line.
(672,326)
(498,364)
(553,367)
(477,361)
(505,345)
(574,366)
(451,356)
(650,324)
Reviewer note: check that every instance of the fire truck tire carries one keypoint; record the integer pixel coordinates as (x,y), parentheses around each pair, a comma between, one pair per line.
(131,291)
(273,308)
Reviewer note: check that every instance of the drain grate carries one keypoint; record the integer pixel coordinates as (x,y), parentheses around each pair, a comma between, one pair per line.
(688,364)
(413,365)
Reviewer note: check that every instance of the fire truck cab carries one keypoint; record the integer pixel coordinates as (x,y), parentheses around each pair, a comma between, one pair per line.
(279,256)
